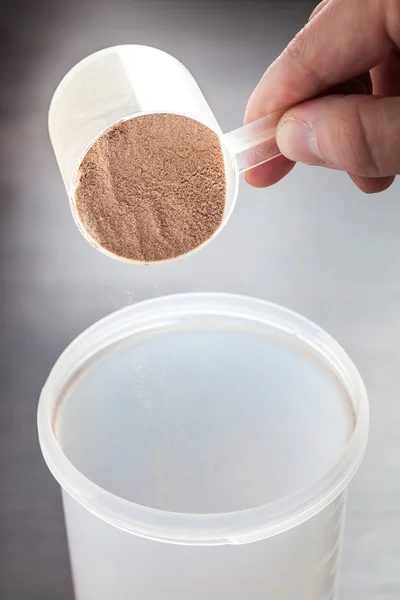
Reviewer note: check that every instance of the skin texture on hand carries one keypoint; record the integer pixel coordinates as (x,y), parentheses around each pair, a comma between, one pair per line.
(339,78)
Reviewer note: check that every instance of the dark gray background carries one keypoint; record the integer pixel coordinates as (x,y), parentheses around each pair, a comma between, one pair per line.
(312,243)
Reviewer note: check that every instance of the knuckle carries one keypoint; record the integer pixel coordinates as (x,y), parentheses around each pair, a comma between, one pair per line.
(297,48)
(302,50)
(318,8)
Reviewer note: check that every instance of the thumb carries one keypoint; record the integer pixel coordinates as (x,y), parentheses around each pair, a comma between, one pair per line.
(358,134)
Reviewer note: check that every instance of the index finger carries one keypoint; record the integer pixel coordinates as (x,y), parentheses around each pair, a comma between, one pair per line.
(345,38)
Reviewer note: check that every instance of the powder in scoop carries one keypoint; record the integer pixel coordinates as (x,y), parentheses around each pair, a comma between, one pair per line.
(151,188)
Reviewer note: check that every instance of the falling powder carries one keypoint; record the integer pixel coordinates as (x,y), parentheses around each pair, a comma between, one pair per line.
(151,188)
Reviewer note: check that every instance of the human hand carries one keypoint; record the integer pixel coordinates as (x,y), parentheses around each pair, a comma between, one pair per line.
(347,46)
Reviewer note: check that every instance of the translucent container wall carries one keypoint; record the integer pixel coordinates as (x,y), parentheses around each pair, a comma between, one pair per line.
(204,444)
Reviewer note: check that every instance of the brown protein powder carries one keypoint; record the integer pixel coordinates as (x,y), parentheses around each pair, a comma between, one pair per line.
(151,188)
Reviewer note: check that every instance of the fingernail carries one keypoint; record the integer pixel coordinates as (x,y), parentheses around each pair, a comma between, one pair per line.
(296,140)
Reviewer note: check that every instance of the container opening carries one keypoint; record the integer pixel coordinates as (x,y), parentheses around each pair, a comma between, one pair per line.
(205,415)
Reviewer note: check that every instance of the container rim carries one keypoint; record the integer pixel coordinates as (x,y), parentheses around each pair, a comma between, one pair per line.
(230,204)
(245,526)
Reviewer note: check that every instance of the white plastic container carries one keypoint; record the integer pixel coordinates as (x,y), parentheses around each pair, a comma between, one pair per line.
(204,443)
(123,82)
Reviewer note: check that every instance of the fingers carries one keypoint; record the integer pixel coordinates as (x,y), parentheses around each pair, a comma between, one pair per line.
(269,173)
(386,76)
(386,82)
(273,171)
(372,185)
(357,134)
(328,51)
(346,38)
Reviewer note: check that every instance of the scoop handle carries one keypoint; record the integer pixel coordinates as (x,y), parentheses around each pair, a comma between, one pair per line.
(255,143)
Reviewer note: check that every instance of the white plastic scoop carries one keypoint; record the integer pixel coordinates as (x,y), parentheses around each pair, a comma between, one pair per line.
(123,82)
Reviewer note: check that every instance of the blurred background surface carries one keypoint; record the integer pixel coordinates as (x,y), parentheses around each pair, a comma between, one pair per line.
(313,243)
